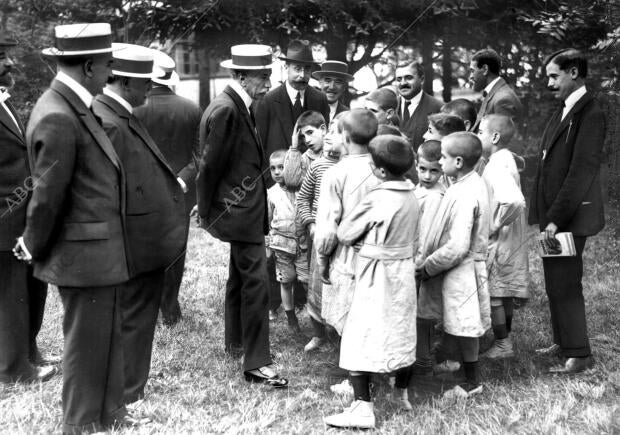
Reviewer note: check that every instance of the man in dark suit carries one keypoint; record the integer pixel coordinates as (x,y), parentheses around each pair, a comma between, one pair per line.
(567,197)
(414,104)
(333,79)
(22,297)
(232,206)
(277,113)
(155,213)
(497,97)
(75,222)
(172,121)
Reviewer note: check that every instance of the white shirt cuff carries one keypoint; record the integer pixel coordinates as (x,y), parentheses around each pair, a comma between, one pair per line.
(183,185)
(22,245)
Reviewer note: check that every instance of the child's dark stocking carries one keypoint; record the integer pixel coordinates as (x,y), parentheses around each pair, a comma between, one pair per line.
(508,309)
(425,331)
(361,386)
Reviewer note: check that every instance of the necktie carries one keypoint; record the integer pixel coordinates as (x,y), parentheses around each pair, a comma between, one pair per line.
(4,96)
(406,104)
(297,109)
(99,121)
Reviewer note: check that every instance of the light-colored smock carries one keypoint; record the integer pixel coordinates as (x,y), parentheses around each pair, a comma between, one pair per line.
(456,247)
(379,334)
(507,263)
(344,186)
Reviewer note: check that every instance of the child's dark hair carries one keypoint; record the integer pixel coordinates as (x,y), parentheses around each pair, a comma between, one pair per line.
(392,153)
(446,124)
(388,129)
(466,145)
(312,118)
(277,154)
(461,107)
(361,124)
(430,150)
(384,97)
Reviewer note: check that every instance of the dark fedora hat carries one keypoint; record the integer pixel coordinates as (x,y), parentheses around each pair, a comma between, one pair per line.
(299,51)
(6,42)
(333,68)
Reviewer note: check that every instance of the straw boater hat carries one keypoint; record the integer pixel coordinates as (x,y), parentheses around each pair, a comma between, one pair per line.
(299,52)
(163,69)
(80,39)
(333,68)
(250,57)
(132,60)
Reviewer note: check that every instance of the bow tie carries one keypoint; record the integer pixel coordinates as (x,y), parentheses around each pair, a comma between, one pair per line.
(4,95)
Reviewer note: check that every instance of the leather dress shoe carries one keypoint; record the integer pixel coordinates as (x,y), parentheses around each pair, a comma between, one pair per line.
(267,376)
(43,374)
(574,365)
(552,350)
(131,420)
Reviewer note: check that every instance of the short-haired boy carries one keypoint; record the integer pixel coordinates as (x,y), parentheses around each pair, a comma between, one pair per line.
(310,130)
(442,124)
(507,264)
(429,192)
(456,247)
(343,187)
(383,102)
(306,206)
(378,335)
(463,108)
(291,262)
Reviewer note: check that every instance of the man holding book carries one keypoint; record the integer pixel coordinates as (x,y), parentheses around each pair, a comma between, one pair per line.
(567,197)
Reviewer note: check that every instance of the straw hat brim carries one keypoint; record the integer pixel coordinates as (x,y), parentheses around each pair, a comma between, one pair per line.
(318,74)
(231,65)
(150,75)
(54,52)
(173,80)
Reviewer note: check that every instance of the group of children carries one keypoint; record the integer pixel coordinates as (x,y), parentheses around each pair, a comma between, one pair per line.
(386,261)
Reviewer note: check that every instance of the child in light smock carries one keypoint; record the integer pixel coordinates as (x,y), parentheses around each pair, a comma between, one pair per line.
(456,249)
(379,334)
(507,265)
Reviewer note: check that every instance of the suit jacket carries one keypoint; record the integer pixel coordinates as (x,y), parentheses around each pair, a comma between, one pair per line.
(567,188)
(75,219)
(155,214)
(417,124)
(232,199)
(274,116)
(501,100)
(172,121)
(14,182)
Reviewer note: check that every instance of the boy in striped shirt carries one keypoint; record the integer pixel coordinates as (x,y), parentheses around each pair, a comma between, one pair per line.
(306,205)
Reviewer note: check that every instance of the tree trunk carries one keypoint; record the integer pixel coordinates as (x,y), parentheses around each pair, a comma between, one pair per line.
(446,68)
(427,60)
(204,70)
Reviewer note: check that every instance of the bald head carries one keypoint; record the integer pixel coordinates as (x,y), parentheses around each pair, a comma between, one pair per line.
(360,125)
(502,126)
(465,145)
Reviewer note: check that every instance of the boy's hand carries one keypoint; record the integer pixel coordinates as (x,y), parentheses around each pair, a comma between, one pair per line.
(324,273)
(295,138)
(421,274)
(268,252)
(311,230)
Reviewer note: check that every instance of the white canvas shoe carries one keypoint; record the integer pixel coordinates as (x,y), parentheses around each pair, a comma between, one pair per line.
(448,366)
(359,415)
(314,344)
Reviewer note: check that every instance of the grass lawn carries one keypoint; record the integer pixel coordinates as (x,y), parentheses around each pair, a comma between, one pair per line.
(196,388)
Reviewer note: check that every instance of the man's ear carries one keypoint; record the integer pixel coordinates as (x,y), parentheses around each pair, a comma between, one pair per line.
(390,113)
(467,124)
(495,138)
(574,73)
(485,69)
(87,68)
